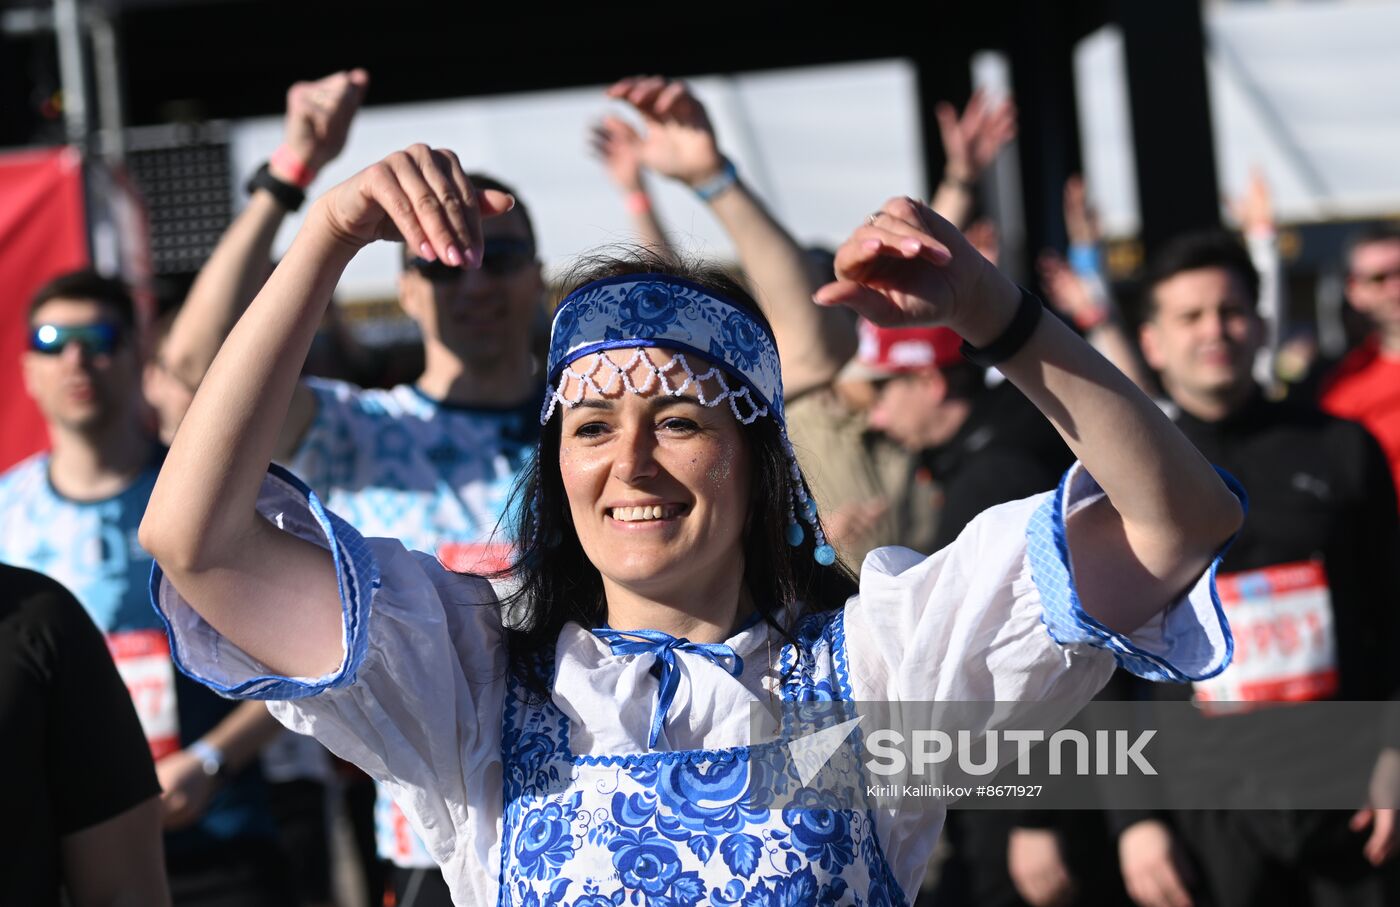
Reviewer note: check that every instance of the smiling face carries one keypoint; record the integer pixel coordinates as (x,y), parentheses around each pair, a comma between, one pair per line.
(1203,334)
(657,486)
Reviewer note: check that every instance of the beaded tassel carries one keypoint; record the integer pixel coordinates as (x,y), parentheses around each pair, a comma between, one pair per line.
(824,554)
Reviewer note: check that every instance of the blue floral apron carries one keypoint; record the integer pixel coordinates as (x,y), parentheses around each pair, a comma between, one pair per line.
(677,829)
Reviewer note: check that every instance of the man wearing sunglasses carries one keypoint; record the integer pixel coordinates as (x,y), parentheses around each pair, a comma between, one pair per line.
(73,513)
(1365,386)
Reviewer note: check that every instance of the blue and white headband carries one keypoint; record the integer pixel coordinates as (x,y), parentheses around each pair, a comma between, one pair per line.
(634,311)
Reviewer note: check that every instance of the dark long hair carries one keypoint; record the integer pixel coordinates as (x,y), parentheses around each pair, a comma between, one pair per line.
(558,583)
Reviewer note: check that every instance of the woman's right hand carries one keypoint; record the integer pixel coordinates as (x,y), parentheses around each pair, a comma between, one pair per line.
(420,196)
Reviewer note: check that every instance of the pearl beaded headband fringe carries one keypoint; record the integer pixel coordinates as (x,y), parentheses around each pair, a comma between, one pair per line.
(635,311)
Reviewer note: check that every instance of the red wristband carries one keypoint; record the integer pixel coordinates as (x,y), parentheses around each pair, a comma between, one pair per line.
(638,202)
(286,162)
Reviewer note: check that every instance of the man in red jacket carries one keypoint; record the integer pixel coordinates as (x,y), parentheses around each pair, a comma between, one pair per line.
(1365,387)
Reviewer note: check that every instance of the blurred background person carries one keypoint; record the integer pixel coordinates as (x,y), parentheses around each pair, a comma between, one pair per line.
(1365,386)
(1322,517)
(73,514)
(89,826)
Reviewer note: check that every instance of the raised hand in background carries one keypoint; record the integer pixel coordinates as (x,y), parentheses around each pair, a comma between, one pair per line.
(618,146)
(678,141)
(971,142)
(318,118)
(1078,288)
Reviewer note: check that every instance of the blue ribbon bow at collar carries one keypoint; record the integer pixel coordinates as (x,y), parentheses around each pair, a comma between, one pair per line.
(664,647)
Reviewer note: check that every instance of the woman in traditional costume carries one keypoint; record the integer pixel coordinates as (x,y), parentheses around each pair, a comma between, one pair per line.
(597,747)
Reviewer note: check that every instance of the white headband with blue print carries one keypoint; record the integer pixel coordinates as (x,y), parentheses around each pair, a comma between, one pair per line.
(634,311)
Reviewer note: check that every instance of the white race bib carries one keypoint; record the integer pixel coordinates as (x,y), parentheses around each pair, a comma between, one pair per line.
(143,660)
(1285,644)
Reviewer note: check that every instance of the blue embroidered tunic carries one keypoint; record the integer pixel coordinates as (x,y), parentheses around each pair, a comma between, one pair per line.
(566,802)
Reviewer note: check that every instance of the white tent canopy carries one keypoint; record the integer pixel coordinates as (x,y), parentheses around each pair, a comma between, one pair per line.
(1309,93)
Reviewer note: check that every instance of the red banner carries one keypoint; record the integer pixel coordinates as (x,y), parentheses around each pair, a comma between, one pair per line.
(41,236)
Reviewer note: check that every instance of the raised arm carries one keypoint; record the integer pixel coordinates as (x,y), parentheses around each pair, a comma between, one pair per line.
(971,142)
(1166,512)
(679,143)
(1079,287)
(268,592)
(1087,303)
(317,121)
(618,146)
(1254,210)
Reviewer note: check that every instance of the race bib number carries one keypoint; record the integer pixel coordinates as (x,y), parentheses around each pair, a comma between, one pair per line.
(395,839)
(478,558)
(143,660)
(1285,644)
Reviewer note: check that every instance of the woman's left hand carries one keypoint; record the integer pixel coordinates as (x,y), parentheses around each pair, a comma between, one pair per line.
(420,196)
(907,265)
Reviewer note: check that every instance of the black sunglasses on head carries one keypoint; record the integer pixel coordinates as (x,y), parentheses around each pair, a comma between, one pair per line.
(500,257)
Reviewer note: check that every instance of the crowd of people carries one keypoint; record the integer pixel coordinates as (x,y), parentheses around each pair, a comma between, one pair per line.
(882,473)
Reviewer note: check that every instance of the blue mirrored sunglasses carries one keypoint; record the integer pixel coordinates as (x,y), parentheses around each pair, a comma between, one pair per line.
(96,339)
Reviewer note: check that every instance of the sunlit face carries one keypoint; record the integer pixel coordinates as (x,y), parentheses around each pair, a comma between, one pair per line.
(1373,284)
(901,409)
(77,389)
(485,313)
(1204,333)
(914,410)
(658,486)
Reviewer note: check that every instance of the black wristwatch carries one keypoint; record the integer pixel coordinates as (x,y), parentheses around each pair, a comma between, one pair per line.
(287,195)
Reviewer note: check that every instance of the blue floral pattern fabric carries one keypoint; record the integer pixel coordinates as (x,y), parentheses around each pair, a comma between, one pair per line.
(517,812)
(681,828)
(670,313)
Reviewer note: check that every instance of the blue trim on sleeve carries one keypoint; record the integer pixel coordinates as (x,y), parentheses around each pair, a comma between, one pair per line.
(837,630)
(1068,623)
(357,577)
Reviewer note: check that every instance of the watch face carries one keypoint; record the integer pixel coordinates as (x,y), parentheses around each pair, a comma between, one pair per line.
(211,761)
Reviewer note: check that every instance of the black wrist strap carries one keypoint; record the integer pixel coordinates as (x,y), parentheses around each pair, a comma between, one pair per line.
(287,195)
(1009,343)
